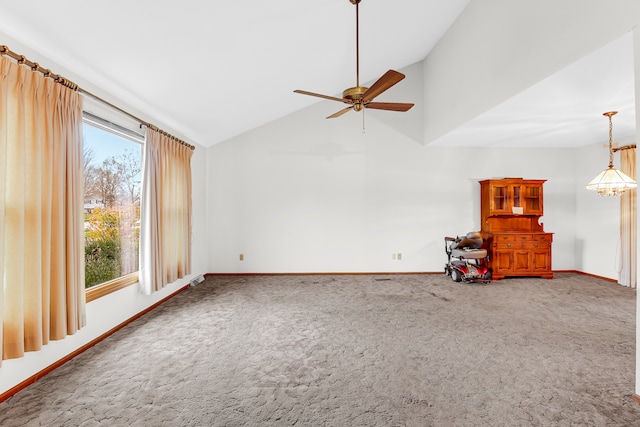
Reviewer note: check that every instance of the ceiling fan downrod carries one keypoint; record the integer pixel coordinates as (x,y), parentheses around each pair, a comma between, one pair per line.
(357,2)
(355,93)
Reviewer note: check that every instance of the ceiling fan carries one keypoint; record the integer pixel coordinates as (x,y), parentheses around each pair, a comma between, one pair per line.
(360,97)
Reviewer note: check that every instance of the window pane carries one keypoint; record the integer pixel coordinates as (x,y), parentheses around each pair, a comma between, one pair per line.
(112,166)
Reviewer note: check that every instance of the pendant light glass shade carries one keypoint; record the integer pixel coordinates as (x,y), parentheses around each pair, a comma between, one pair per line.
(611,181)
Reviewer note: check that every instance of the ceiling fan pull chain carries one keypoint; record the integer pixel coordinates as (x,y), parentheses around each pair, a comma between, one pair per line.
(363,131)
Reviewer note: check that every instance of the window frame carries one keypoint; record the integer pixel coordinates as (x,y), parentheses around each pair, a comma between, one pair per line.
(105,288)
(97,291)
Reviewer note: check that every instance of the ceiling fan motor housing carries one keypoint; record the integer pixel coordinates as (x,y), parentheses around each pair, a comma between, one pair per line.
(354,94)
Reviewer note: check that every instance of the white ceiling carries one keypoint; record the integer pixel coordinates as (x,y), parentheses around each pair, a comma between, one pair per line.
(565,109)
(210,70)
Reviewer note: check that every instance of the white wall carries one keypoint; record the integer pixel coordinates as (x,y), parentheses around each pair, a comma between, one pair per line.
(597,218)
(305,194)
(308,194)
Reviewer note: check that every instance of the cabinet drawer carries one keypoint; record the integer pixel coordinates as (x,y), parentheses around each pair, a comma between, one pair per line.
(504,238)
(523,237)
(542,237)
(535,245)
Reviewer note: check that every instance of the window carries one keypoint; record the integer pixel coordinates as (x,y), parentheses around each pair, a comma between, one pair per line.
(112,173)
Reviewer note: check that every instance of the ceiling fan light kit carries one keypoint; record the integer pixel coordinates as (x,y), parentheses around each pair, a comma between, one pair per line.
(611,181)
(361,97)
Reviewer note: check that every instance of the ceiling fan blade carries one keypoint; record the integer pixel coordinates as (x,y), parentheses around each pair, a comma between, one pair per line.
(339,113)
(392,106)
(331,98)
(383,83)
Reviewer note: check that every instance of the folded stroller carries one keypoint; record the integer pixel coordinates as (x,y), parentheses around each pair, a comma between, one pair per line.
(466,260)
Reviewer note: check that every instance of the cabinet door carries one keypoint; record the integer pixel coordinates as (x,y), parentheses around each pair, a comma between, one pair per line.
(531,199)
(522,261)
(503,261)
(541,260)
(500,199)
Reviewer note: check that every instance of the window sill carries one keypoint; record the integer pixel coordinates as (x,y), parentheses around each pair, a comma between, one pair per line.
(106,288)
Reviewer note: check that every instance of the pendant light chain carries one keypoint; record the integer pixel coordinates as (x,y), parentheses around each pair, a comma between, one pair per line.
(610,137)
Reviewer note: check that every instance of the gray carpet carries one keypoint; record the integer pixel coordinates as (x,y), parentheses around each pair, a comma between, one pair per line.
(397,350)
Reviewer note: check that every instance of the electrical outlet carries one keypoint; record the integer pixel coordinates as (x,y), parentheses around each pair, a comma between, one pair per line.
(399,256)
(241,257)
(393,256)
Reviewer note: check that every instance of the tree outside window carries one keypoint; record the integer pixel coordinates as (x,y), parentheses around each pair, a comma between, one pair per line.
(112,173)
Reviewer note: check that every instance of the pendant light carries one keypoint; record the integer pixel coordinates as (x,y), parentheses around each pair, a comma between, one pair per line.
(611,181)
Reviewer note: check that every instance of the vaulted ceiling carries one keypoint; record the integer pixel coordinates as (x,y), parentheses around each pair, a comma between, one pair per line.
(210,70)
(563,110)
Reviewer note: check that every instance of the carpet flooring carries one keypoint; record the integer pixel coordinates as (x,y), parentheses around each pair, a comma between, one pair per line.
(356,350)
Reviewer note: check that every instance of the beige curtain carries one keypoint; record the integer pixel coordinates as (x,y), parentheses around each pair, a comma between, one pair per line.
(165,212)
(628,260)
(41,218)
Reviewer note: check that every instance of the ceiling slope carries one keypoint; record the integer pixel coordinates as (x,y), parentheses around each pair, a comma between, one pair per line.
(563,110)
(208,71)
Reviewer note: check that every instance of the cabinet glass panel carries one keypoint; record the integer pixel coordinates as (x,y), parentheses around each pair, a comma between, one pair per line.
(499,198)
(516,196)
(532,198)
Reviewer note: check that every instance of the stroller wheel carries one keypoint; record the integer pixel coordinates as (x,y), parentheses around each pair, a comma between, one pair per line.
(487,276)
(447,271)
(456,276)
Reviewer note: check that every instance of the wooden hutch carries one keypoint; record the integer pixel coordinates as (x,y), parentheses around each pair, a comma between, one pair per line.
(517,244)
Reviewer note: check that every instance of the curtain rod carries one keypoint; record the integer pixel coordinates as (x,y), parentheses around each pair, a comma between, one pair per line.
(4,50)
(626,147)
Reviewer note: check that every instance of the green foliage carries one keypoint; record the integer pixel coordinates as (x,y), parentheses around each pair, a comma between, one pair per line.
(102,247)
(102,224)
(102,261)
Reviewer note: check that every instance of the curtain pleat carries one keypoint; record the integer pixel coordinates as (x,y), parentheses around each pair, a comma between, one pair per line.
(628,271)
(41,219)
(165,212)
